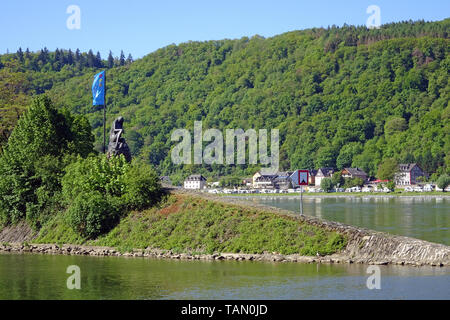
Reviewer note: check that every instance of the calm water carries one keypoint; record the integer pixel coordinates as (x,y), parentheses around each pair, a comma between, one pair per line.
(417,217)
(29,276)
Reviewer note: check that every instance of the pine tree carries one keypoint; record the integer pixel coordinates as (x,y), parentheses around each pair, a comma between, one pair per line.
(129,59)
(98,60)
(77,55)
(56,65)
(122,58)
(20,54)
(110,60)
(43,56)
(27,54)
(70,57)
(91,59)
(62,58)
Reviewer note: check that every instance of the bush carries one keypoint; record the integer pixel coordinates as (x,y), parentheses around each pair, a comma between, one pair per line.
(142,187)
(98,191)
(94,174)
(92,214)
(326,184)
(353,182)
(443,182)
(391,185)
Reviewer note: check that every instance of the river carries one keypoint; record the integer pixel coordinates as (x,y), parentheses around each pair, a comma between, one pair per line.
(426,218)
(34,276)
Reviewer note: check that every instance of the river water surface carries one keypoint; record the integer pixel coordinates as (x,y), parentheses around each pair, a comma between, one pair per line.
(34,276)
(426,218)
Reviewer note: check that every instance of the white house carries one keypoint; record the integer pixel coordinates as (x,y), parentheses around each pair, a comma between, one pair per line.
(263,180)
(408,173)
(195,181)
(354,173)
(323,173)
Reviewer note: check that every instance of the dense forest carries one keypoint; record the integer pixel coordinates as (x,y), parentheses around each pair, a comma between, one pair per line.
(340,96)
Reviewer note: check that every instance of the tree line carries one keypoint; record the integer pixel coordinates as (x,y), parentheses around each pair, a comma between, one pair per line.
(55,61)
(340,96)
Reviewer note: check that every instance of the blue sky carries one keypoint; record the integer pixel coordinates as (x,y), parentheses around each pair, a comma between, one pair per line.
(140,27)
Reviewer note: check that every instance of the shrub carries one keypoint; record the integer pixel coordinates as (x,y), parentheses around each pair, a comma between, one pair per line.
(92,214)
(94,174)
(142,187)
(443,181)
(98,191)
(326,184)
(391,185)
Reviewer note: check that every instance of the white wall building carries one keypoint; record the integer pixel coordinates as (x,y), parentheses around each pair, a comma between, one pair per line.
(195,181)
(323,173)
(408,174)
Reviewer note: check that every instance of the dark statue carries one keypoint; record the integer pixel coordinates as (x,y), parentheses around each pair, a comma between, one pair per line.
(117,144)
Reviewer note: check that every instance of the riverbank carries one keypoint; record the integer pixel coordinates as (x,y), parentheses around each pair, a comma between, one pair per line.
(188,228)
(425,195)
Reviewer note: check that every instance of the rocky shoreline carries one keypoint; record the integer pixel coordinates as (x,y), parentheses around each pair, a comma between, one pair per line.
(363,246)
(21,248)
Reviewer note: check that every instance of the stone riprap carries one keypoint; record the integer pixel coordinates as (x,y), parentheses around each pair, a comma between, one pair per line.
(363,245)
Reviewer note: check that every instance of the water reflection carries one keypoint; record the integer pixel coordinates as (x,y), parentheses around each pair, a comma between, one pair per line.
(30,276)
(419,217)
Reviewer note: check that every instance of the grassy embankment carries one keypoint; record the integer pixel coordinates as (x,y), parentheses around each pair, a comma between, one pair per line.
(189,224)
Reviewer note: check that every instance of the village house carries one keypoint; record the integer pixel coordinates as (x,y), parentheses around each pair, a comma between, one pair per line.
(350,173)
(321,174)
(261,181)
(283,180)
(408,174)
(195,181)
(280,180)
(312,177)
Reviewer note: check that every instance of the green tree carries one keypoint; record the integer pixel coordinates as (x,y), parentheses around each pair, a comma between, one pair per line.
(122,58)
(391,185)
(387,169)
(395,124)
(326,184)
(35,156)
(443,181)
(110,60)
(337,179)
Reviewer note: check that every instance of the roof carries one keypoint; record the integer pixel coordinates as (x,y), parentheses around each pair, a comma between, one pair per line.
(379,180)
(195,177)
(327,171)
(355,171)
(406,167)
(312,172)
(266,178)
(284,174)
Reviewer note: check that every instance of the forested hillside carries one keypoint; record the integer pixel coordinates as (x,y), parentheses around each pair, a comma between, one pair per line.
(342,96)
(24,74)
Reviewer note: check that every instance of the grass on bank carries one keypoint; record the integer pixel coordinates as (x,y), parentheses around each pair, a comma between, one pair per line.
(190,224)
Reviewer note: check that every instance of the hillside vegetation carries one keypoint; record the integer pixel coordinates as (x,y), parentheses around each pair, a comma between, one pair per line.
(191,224)
(342,96)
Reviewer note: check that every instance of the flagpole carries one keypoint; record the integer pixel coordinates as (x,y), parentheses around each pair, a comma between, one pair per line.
(104,118)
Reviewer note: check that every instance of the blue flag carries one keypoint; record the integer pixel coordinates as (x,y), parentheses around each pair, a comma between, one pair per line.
(98,89)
